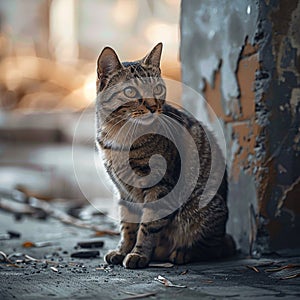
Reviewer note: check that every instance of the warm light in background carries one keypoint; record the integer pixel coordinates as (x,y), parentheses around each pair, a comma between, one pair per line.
(62,29)
(89,88)
(50,54)
(159,31)
(125,12)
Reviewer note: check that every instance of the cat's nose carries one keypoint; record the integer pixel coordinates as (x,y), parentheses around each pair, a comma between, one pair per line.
(151,108)
(151,105)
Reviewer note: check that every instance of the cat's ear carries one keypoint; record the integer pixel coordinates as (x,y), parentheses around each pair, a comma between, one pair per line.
(107,62)
(153,58)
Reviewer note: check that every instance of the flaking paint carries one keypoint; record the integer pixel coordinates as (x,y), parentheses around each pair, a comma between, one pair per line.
(247,67)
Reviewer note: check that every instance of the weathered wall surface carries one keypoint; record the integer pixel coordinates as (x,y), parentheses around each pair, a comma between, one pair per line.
(244,57)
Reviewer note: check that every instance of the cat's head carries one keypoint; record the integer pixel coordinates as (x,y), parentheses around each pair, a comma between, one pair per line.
(130,90)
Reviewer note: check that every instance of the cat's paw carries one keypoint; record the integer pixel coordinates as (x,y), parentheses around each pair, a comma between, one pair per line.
(179,257)
(114,257)
(135,261)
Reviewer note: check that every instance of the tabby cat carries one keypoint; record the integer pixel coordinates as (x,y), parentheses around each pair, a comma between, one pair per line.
(177,230)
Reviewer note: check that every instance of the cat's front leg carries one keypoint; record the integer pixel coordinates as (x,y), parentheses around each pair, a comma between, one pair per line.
(148,233)
(147,237)
(127,242)
(128,239)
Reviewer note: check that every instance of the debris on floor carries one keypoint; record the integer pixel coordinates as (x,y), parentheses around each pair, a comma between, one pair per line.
(61,257)
(91,244)
(85,254)
(167,282)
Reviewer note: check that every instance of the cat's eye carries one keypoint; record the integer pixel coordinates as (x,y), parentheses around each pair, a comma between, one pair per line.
(158,89)
(131,92)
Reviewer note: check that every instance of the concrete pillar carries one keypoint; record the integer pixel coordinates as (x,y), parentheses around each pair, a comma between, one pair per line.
(244,57)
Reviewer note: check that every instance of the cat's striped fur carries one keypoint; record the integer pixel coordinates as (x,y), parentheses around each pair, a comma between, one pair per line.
(190,232)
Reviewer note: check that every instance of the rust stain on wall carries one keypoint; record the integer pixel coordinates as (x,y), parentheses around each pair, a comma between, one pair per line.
(244,133)
(246,77)
(213,97)
(244,127)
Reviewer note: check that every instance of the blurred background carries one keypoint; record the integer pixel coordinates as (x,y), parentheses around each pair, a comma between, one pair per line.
(48,53)
(48,48)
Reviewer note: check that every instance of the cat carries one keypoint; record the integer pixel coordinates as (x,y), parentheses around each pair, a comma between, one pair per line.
(177,230)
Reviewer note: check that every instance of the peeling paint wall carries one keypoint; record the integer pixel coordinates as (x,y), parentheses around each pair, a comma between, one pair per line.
(244,57)
(280,58)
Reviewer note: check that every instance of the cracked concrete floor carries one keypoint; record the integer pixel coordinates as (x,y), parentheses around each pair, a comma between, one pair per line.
(64,277)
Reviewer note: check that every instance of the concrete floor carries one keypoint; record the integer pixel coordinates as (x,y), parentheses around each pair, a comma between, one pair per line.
(74,278)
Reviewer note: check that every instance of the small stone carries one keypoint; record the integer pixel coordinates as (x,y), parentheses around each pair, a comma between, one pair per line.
(91,244)
(85,254)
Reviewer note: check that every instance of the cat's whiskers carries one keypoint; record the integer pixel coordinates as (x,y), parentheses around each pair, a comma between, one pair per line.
(110,130)
(135,122)
(163,125)
(171,122)
(182,123)
(123,141)
(167,128)
(179,118)
(107,122)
